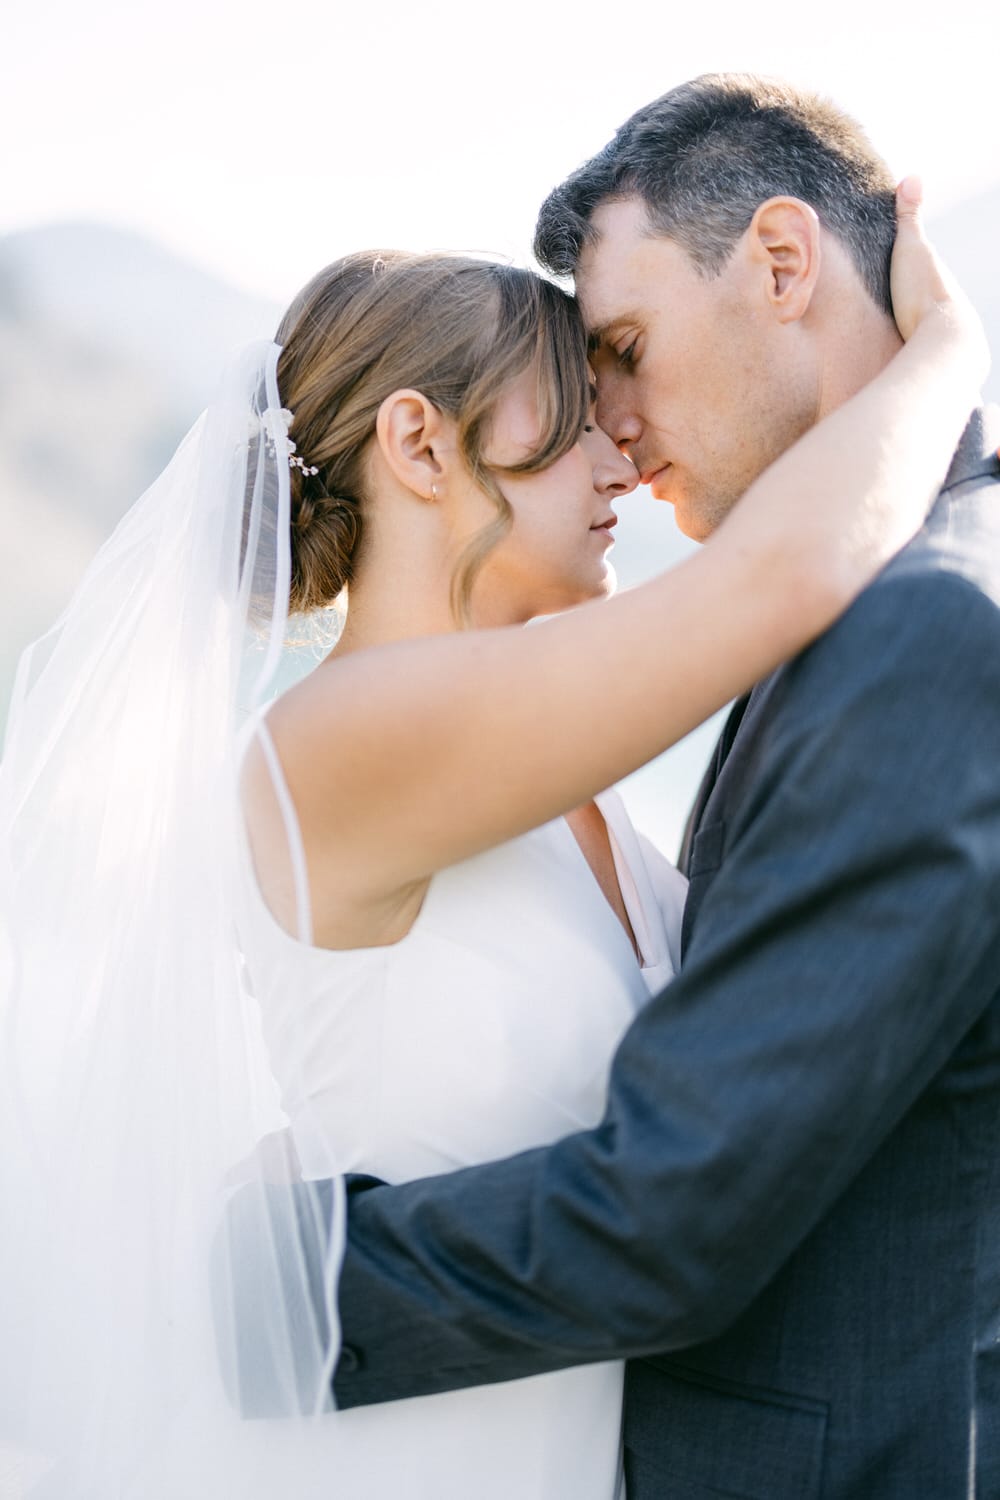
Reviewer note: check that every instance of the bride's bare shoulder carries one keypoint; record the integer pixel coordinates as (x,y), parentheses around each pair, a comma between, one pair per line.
(292,812)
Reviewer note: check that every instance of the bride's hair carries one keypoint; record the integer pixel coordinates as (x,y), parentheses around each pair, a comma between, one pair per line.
(457,329)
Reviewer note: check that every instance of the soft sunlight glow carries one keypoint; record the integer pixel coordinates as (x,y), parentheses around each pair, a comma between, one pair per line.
(264,141)
(260,142)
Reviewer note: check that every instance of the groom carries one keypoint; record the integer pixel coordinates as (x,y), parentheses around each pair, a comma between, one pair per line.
(789,1220)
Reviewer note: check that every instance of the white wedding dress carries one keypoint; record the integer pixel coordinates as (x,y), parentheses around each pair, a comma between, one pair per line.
(140,1084)
(488,1029)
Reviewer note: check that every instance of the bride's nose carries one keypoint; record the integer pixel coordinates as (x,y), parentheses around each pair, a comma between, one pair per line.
(614,472)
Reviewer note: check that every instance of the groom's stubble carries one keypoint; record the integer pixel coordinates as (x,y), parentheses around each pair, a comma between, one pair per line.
(696,381)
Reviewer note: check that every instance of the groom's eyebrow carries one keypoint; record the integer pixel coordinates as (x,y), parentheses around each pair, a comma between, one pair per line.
(601,335)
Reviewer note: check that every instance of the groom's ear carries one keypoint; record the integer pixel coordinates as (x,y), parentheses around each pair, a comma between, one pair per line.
(783,243)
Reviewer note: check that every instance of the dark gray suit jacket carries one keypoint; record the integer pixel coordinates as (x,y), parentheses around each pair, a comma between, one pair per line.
(789,1220)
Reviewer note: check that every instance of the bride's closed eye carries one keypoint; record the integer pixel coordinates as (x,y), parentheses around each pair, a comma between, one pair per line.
(626,356)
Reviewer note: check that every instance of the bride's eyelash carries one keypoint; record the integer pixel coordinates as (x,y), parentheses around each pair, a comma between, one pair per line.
(625,357)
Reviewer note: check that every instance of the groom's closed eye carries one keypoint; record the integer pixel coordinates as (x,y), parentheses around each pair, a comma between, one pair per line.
(611,330)
(604,335)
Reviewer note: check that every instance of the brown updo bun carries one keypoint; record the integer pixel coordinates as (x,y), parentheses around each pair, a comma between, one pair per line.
(325,536)
(457,329)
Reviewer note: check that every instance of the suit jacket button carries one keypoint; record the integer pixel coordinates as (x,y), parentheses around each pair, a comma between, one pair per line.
(350,1360)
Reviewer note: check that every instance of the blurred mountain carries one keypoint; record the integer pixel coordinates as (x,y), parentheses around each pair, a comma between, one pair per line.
(123,294)
(109,348)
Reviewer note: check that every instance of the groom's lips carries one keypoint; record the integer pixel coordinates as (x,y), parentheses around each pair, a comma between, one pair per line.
(651,476)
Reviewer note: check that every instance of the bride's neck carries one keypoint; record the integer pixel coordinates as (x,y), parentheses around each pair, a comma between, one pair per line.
(403,577)
(401,589)
(379,612)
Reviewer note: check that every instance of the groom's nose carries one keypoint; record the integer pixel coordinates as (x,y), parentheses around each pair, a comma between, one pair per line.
(613,414)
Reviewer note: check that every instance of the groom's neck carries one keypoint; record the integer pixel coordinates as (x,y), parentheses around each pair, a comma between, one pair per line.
(860,345)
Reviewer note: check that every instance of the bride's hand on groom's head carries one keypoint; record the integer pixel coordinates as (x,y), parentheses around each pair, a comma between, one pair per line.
(923,287)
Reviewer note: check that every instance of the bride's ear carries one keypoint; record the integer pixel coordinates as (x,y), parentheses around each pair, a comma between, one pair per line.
(783,244)
(412,436)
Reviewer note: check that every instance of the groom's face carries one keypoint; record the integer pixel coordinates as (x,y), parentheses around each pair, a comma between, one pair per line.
(694,381)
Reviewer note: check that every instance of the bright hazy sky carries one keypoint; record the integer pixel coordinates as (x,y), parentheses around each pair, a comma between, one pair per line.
(264,139)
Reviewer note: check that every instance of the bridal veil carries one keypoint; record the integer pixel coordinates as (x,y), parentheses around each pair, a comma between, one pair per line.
(134,1085)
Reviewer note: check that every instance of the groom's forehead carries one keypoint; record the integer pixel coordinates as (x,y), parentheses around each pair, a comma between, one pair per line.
(622,269)
(606,264)
(608,300)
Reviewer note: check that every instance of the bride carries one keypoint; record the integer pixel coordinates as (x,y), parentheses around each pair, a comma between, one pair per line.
(443,924)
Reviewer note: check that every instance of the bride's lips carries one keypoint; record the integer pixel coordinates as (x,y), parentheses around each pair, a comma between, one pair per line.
(606,526)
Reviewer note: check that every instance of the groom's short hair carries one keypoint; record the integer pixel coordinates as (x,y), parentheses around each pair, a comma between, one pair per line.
(705,156)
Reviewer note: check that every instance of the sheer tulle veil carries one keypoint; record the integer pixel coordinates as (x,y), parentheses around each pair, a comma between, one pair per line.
(135,1083)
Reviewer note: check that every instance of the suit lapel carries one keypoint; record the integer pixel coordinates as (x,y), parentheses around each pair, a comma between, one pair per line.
(718,759)
(976,458)
(723,780)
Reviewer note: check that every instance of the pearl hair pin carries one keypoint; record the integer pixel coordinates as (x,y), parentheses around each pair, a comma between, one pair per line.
(295,462)
(276,425)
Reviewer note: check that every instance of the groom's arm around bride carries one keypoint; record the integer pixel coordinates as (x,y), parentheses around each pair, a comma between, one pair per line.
(789,1219)
(794,1198)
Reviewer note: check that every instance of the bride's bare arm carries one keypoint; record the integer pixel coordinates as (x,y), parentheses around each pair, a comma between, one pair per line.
(406,758)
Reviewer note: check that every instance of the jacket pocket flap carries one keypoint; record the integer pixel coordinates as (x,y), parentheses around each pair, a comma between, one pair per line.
(719,1438)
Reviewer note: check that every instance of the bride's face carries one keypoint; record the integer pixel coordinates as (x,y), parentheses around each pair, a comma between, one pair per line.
(555,554)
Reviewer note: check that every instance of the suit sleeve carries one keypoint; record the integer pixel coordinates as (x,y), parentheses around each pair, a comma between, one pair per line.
(846,945)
